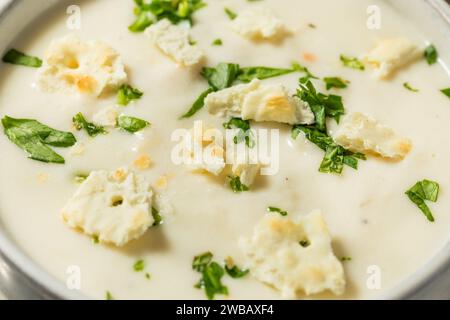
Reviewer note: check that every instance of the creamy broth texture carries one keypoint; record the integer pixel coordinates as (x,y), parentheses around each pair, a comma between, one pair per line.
(367,212)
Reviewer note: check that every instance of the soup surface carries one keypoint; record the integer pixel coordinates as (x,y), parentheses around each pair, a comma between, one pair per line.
(367,212)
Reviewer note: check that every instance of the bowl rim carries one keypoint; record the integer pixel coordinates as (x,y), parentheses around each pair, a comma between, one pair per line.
(46,286)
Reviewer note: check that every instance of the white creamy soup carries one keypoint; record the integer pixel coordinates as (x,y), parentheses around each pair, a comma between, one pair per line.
(370,219)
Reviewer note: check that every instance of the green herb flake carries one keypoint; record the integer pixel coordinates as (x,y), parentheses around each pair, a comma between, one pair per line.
(335,82)
(321,105)
(352,62)
(235,272)
(217,42)
(277,210)
(16,57)
(142,22)
(201,261)
(92,129)
(158,220)
(431,54)
(148,276)
(335,155)
(407,86)
(126,94)
(244,133)
(212,274)
(446,92)
(250,73)
(237,186)
(304,243)
(232,15)
(139,265)
(422,191)
(344,259)
(35,138)
(95,239)
(222,76)
(175,11)
(109,296)
(131,124)
(198,104)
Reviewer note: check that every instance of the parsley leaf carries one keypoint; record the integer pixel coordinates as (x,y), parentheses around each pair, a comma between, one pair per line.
(244,134)
(142,22)
(156,217)
(431,54)
(421,191)
(335,156)
(35,138)
(174,10)
(139,265)
(92,129)
(446,92)
(201,261)
(212,273)
(352,62)
(222,76)
(237,186)
(335,82)
(198,104)
(131,124)
(14,56)
(235,272)
(261,73)
(217,42)
(321,105)
(277,210)
(298,67)
(109,296)
(232,15)
(407,86)
(127,93)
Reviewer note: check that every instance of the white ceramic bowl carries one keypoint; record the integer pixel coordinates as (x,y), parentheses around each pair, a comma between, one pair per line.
(21,278)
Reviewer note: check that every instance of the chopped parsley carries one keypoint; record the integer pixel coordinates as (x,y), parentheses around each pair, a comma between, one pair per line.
(139,265)
(304,243)
(321,105)
(95,239)
(407,86)
(422,191)
(244,134)
(343,259)
(109,296)
(250,73)
(211,275)
(91,128)
(79,178)
(335,156)
(148,276)
(335,82)
(232,15)
(277,210)
(352,62)
(35,138)
(446,92)
(14,56)
(198,104)
(126,94)
(175,11)
(237,186)
(156,217)
(217,42)
(431,54)
(235,272)
(224,75)
(131,124)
